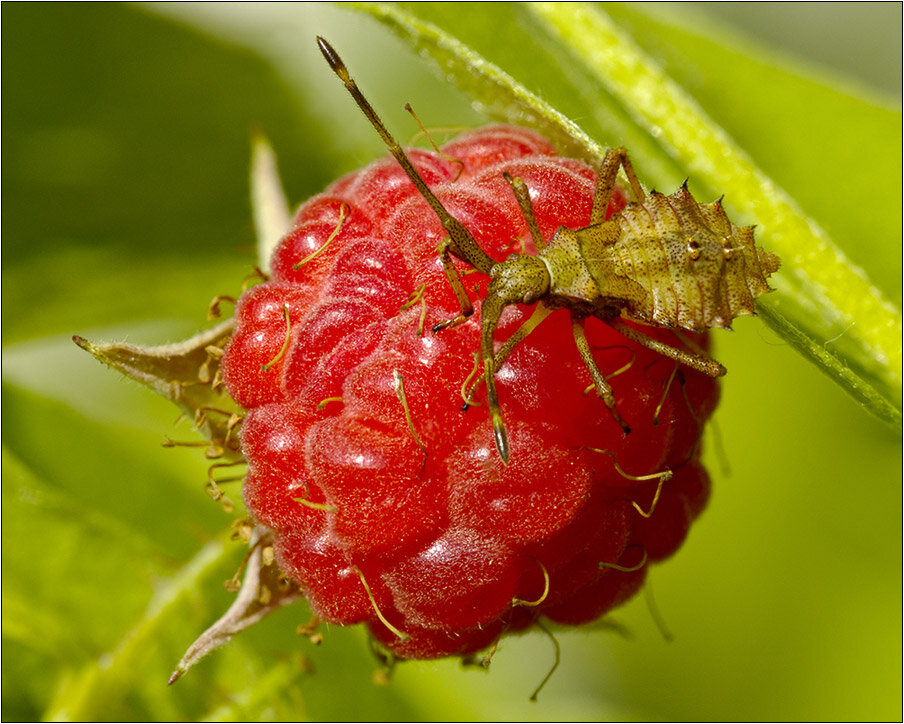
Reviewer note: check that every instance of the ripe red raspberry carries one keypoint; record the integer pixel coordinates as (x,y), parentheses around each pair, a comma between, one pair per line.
(404,516)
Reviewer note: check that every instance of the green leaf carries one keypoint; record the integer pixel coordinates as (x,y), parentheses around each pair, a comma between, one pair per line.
(822,298)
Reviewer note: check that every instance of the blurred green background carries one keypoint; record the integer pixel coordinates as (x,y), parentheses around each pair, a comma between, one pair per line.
(126,141)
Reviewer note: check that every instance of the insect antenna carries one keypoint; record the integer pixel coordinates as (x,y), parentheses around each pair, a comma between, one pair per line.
(463,244)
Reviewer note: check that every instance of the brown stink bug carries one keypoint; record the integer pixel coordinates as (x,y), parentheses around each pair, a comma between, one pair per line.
(665,261)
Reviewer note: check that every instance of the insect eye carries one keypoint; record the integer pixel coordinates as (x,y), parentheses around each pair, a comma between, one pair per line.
(727,248)
(693,249)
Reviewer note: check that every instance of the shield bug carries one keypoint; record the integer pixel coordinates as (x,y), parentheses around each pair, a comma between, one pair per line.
(665,261)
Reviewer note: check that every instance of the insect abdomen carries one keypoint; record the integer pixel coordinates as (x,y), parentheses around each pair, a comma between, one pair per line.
(696,269)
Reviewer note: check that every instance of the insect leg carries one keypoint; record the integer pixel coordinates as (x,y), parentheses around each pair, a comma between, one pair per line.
(605,183)
(699,362)
(603,388)
(458,287)
(523,197)
(490,312)
(540,313)
(462,242)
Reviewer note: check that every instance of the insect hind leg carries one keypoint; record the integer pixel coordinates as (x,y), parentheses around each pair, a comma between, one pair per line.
(700,362)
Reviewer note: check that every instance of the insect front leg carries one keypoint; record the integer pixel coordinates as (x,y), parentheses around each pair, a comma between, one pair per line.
(614,159)
(458,287)
(603,388)
(700,362)
(523,197)
(527,209)
(490,312)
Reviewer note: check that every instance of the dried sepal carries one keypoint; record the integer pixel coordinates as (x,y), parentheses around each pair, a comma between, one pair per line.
(185,373)
(272,217)
(264,589)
